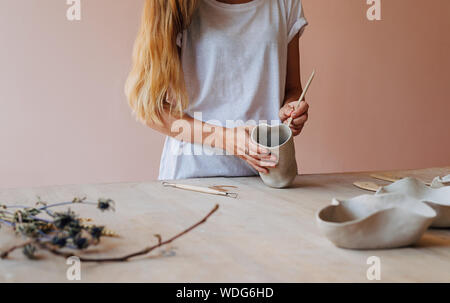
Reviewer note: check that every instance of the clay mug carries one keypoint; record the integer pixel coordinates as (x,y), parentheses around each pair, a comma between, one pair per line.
(280,141)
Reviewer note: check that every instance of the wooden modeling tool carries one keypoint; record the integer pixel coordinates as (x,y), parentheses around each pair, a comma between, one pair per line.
(391,178)
(370,186)
(218,191)
(289,121)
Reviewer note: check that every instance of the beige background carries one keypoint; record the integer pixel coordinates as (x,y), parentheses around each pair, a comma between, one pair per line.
(379,101)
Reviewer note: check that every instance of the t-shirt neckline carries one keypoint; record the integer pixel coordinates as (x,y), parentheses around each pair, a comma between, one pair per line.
(235,6)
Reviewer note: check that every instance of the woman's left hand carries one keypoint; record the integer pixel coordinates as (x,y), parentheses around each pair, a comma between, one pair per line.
(299,115)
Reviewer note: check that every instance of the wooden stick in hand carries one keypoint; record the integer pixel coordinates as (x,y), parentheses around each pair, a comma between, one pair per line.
(289,121)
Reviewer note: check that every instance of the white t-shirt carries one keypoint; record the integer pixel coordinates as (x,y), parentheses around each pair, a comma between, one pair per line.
(234,59)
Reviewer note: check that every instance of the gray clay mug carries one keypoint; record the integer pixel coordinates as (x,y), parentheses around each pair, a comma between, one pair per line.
(279,140)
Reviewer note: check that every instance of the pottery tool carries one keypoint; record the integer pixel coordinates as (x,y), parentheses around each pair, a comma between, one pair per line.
(391,178)
(289,121)
(370,186)
(218,190)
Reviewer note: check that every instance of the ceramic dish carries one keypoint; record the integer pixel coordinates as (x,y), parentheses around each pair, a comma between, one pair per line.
(437,198)
(375,221)
(441,181)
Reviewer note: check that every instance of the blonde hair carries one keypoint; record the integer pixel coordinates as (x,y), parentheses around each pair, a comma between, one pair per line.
(156,73)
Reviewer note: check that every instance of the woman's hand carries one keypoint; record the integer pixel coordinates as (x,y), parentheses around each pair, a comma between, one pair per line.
(239,144)
(299,115)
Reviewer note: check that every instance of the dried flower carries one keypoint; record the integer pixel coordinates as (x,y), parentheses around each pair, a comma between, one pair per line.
(29,251)
(64,219)
(81,243)
(59,241)
(41,203)
(79,200)
(32,211)
(96,232)
(65,230)
(105,204)
(28,229)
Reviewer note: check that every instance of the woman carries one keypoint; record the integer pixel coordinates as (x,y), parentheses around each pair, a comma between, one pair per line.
(214,68)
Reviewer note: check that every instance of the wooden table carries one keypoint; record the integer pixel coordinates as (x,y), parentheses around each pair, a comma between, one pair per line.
(266,235)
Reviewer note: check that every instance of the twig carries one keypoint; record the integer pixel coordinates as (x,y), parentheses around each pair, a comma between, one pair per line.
(65,203)
(5,253)
(289,121)
(133,255)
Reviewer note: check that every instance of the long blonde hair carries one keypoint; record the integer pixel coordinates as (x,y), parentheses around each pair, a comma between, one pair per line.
(156,73)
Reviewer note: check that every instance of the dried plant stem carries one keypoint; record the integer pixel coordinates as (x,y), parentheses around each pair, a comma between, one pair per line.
(133,255)
(5,253)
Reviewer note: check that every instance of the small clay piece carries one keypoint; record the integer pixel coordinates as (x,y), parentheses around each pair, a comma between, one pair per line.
(375,221)
(440,182)
(437,198)
(279,140)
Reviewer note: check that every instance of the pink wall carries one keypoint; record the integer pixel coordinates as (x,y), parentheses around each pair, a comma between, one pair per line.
(379,100)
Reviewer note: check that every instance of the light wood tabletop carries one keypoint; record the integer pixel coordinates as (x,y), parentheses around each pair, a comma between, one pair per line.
(265,235)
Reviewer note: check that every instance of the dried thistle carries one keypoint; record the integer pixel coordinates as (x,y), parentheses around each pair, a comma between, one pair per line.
(106,204)
(63,230)
(29,251)
(66,230)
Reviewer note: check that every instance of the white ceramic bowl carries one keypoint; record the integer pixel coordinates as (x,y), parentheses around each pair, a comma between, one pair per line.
(437,198)
(375,222)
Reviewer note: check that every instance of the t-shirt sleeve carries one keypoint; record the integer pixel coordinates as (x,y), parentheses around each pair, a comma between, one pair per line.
(296,20)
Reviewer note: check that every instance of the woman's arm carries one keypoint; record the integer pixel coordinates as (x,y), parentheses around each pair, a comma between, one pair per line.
(294,90)
(235,141)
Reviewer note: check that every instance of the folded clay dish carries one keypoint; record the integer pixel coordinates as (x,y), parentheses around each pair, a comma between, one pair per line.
(437,198)
(440,181)
(375,222)
(279,140)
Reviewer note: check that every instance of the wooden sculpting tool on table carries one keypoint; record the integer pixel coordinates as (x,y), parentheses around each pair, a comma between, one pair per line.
(391,178)
(214,190)
(372,186)
(367,185)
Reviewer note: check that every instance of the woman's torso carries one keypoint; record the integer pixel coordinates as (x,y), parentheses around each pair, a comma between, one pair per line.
(234,60)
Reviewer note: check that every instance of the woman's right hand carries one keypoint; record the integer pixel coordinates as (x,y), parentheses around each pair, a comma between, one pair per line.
(238,143)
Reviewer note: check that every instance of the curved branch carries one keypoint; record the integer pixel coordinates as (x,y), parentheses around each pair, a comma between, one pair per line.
(5,253)
(132,255)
